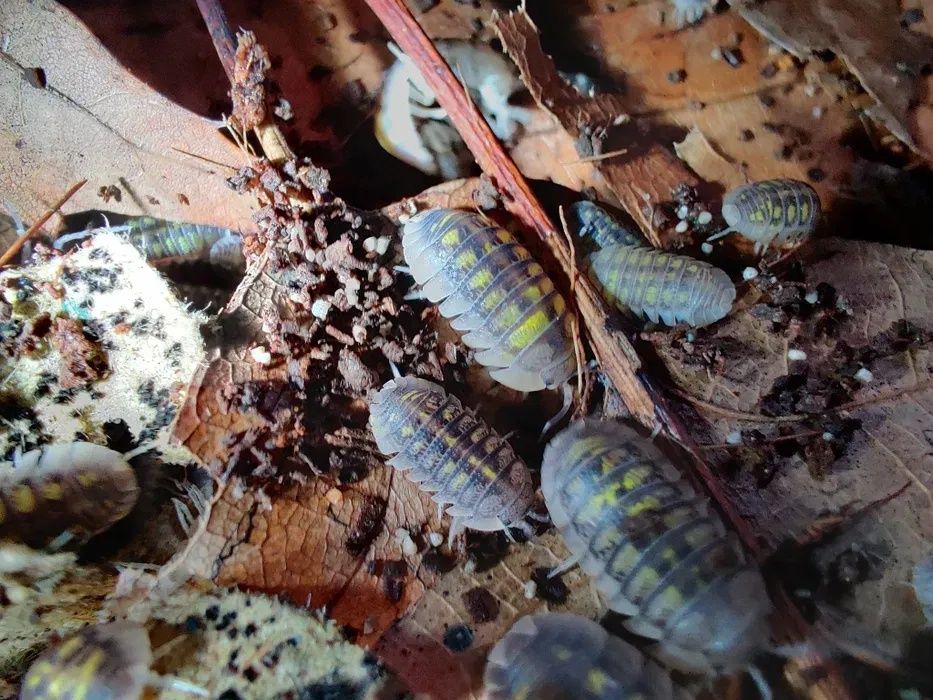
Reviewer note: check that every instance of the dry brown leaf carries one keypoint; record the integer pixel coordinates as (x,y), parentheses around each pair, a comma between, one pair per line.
(697,152)
(88,118)
(889,333)
(888,59)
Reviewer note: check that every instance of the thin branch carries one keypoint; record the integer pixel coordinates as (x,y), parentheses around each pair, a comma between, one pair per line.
(219,29)
(617,358)
(18,244)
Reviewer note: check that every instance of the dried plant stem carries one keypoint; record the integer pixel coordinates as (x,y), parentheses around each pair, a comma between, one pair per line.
(17,246)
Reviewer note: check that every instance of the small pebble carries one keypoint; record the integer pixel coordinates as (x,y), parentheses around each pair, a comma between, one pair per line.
(334,497)
(683,212)
(812,297)
(320,308)
(864,375)
(681,227)
(403,537)
(436,539)
(691,336)
(734,438)
(707,248)
(704,218)
(828,436)
(716,54)
(531,588)
(261,355)
(749,273)
(796,355)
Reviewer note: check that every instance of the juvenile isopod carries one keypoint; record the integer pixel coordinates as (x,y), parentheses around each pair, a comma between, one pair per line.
(449,451)
(110,660)
(555,656)
(173,241)
(491,289)
(76,487)
(653,283)
(655,549)
(771,212)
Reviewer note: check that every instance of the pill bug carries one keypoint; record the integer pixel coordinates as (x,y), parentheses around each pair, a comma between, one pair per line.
(771,211)
(656,551)
(653,283)
(76,487)
(451,452)
(173,241)
(554,656)
(491,288)
(109,660)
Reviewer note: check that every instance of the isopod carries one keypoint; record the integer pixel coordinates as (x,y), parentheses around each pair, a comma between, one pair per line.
(653,283)
(655,549)
(173,241)
(76,487)
(771,212)
(554,656)
(452,453)
(109,660)
(493,290)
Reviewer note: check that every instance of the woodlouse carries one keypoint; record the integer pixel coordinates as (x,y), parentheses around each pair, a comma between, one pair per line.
(447,450)
(553,656)
(76,487)
(771,212)
(493,290)
(653,283)
(655,549)
(173,241)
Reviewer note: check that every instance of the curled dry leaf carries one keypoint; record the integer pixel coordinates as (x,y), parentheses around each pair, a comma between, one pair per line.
(890,60)
(76,123)
(833,427)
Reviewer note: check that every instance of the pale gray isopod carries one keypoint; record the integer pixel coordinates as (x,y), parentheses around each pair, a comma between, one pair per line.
(771,211)
(491,289)
(449,451)
(653,283)
(555,656)
(655,549)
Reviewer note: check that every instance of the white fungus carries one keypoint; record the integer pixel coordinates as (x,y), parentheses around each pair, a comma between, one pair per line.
(530,588)
(261,355)
(707,248)
(734,438)
(704,218)
(749,273)
(436,539)
(681,227)
(828,436)
(796,355)
(320,308)
(683,212)
(864,375)
(812,297)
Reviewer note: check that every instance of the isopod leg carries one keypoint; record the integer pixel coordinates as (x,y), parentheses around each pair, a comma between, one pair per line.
(559,416)
(565,565)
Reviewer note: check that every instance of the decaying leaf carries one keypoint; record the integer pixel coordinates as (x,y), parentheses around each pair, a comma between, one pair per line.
(827,381)
(91,338)
(890,60)
(89,118)
(697,152)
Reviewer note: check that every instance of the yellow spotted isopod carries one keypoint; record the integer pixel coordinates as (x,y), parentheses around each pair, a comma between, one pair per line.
(75,487)
(655,549)
(555,656)
(661,286)
(449,451)
(771,212)
(492,290)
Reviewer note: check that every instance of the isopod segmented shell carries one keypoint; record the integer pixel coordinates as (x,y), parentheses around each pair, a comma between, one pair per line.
(772,211)
(493,290)
(450,452)
(653,283)
(109,660)
(555,656)
(75,487)
(655,549)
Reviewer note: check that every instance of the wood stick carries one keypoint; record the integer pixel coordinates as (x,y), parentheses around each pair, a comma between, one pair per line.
(17,246)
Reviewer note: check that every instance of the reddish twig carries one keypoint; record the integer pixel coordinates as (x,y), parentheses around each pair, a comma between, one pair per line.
(617,358)
(18,244)
(219,29)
